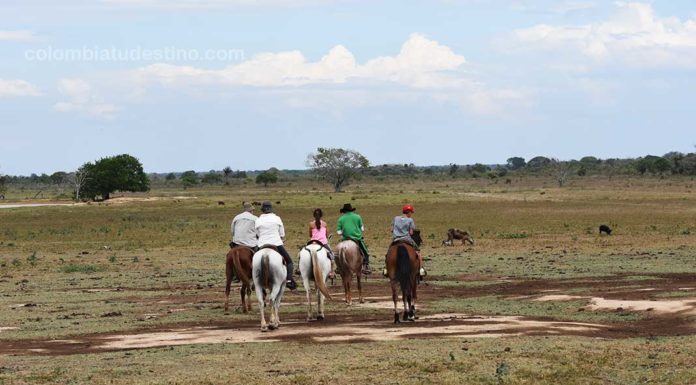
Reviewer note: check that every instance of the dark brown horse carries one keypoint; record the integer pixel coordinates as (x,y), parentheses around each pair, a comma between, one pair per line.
(239,261)
(402,269)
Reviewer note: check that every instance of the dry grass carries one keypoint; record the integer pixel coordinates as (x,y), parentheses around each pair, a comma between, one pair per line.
(166,259)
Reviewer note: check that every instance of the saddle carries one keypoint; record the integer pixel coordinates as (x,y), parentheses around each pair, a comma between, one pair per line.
(315,242)
(252,249)
(274,248)
(402,242)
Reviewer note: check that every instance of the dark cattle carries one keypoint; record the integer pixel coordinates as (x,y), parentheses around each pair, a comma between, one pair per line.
(221,203)
(457,234)
(604,229)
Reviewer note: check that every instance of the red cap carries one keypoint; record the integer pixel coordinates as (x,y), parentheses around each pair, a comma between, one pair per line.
(408,209)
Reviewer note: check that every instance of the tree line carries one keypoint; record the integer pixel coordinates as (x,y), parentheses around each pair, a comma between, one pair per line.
(337,166)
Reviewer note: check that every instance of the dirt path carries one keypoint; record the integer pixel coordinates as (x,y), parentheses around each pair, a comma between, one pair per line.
(667,317)
(440,325)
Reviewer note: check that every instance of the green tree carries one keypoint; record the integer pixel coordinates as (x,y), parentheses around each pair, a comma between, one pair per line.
(116,173)
(661,165)
(212,177)
(170,176)
(538,162)
(59,177)
(516,163)
(267,177)
(337,165)
(189,178)
(227,171)
(453,170)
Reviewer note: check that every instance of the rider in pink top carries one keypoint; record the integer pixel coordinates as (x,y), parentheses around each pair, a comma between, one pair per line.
(318,231)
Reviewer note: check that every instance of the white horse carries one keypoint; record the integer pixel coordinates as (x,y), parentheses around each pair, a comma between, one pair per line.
(315,265)
(269,274)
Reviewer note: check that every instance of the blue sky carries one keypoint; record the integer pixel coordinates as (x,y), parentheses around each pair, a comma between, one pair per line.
(425,82)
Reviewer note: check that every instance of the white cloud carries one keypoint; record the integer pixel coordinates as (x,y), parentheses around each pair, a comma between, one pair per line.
(635,35)
(21,36)
(496,102)
(17,88)
(421,63)
(82,99)
(203,4)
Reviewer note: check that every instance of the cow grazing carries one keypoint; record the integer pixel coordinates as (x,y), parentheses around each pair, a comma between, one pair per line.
(457,234)
(604,229)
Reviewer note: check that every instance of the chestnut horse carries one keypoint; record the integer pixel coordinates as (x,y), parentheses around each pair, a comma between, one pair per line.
(239,261)
(402,269)
(349,260)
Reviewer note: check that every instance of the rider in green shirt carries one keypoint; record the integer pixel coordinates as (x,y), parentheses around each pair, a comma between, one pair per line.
(350,227)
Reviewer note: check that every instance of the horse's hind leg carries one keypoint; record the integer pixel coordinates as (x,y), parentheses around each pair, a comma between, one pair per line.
(243,292)
(346,287)
(228,271)
(395,298)
(248,299)
(309,299)
(320,306)
(362,300)
(260,295)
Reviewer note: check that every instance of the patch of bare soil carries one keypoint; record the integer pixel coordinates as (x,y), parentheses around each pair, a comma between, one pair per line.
(440,325)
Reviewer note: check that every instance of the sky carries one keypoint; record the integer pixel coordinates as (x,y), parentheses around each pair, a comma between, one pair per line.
(254,84)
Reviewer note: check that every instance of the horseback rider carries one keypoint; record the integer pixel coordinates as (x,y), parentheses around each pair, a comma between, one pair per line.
(244,230)
(271,232)
(402,229)
(318,233)
(350,227)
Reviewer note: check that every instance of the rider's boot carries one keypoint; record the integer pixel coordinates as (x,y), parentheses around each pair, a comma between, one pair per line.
(290,284)
(366,265)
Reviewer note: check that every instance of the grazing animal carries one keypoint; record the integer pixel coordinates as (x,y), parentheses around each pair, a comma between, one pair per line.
(402,270)
(457,234)
(604,229)
(239,261)
(349,261)
(315,265)
(221,203)
(269,274)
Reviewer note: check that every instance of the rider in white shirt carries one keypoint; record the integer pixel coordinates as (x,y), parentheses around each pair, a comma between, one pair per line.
(244,228)
(271,231)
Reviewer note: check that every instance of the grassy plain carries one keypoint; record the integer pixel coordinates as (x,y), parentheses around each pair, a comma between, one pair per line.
(131,265)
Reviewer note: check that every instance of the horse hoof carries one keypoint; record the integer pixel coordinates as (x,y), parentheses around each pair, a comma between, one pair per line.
(362,301)
(396,319)
(272,327)
(320,318)
(264,329)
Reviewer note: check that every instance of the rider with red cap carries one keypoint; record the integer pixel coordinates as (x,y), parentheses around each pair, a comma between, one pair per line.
(402,230)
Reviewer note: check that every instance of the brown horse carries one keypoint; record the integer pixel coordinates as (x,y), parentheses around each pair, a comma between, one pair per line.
(239,261)
(402,269)
(349,261)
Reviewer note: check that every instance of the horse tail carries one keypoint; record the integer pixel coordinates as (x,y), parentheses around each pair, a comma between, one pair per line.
(238,267)
(318,274)
(403,271)
(265,270)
